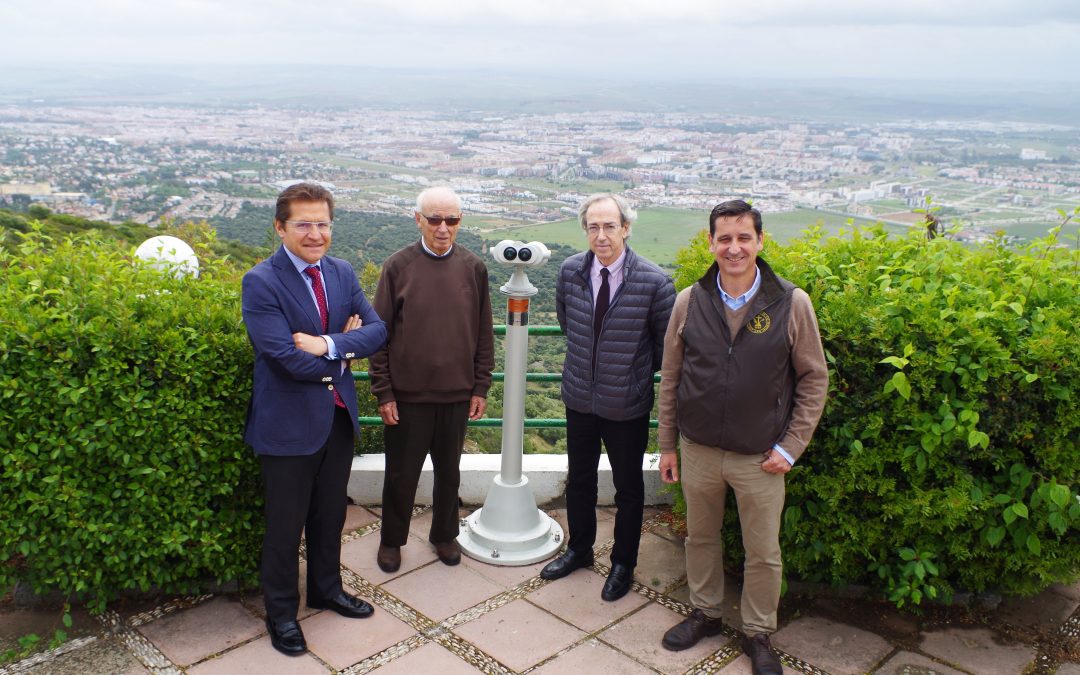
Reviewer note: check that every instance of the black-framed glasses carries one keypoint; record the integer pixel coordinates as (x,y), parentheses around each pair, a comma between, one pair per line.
(439,220)
(307,226)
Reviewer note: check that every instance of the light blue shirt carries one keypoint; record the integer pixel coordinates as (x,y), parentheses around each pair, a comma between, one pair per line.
(741,301)
(300,265)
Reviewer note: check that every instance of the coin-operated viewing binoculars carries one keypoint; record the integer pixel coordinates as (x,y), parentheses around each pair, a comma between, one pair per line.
(509,529)
(520,255)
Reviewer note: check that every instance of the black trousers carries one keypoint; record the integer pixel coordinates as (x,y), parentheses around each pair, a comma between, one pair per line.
(305,494)
(625,442)
(438,428)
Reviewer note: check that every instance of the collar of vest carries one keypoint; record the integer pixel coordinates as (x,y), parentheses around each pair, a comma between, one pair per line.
(772,288)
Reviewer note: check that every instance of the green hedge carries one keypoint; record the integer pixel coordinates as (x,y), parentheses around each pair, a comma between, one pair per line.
(947,457)
(122,401)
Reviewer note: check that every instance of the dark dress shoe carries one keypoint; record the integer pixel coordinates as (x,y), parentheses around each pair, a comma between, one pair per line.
(763,660)
(345,605)
(565,564)
(449,552)
(286,637)
(618,582)
(690,630)
(389,558)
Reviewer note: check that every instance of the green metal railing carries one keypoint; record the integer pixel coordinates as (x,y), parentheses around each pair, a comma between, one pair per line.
(537,423)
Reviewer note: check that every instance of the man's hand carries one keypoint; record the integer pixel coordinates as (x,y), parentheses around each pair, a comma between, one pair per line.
(352,323)
(669,467)
(312,344)
(775,463)
(477,406)
(388,412)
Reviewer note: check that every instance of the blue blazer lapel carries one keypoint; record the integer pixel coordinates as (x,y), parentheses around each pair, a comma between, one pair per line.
(292,282)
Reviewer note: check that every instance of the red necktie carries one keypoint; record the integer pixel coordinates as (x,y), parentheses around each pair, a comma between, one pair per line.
(324,314)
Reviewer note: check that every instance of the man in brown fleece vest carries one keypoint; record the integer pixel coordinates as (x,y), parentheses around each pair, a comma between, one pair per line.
(434,373)
(743,385)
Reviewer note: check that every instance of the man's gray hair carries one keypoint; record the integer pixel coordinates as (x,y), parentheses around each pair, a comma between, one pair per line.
(433,191)
(626,212)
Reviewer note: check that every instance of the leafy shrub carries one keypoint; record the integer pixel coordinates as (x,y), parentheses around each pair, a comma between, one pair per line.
(947,457)
(122,401)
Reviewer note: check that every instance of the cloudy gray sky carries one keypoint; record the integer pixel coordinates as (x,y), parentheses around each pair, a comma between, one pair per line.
(989,40)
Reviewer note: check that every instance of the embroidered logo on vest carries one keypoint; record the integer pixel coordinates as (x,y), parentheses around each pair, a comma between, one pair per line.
(759,324)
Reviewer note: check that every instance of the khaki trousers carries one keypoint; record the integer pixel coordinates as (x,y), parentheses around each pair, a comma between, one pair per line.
(707,473)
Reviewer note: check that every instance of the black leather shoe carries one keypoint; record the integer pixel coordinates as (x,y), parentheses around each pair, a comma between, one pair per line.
(345,605)
(690,630)
(286,637)
(618,582)
(565,564)
(763,660)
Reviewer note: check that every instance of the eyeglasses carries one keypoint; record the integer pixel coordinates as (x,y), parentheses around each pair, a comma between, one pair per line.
(439,220)
(307,226)
(608,229)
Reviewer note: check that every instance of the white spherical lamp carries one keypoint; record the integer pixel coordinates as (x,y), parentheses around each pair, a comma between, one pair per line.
(169,254)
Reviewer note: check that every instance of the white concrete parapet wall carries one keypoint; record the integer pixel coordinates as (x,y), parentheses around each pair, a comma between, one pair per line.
(546,474)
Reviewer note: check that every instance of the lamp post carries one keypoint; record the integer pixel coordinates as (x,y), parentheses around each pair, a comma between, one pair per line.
(509,529)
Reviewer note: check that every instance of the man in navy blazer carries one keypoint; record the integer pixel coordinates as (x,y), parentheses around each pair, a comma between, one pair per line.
(306,317)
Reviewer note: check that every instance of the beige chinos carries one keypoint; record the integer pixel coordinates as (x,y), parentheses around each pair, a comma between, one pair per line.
(707,473)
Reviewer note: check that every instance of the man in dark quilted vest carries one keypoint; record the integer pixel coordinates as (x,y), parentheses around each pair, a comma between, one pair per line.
(742,388)
(613,306)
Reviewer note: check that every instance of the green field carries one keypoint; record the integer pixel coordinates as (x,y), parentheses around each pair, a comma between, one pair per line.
(660,232)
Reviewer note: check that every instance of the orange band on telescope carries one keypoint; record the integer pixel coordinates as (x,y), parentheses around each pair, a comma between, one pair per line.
(517,305)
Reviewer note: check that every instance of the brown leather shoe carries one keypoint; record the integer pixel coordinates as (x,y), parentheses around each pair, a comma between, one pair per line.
(448,551)
(389,558)
(763,660)
(690,630)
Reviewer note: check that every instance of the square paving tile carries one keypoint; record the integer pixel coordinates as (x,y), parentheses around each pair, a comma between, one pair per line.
(661,563)
(190,635)
(906,663)
(458,588)
(431,658)
(359,556)
(835,647)
(576,599)
(1045,611)
(341,641)
(357,517)
(101,656)
(519,634)
(259,658)
(505,576)
(1068,669)
(977,650)
(639,635)
(595,658)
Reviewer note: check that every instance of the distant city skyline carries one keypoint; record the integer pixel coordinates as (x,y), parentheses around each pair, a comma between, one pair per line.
(992,41)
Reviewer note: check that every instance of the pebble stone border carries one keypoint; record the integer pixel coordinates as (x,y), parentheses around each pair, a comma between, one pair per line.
(44,657)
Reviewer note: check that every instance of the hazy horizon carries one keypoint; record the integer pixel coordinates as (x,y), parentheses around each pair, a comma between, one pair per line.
(979,42)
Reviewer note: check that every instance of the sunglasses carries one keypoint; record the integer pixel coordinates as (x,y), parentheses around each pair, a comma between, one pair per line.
(439,220)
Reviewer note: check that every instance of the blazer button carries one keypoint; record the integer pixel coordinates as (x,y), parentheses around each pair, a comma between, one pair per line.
(330,387)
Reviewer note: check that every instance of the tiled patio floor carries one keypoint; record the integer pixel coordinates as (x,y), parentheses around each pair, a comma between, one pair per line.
(475,617)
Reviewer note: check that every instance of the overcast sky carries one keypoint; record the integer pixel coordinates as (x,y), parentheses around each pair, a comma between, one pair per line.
(911,39)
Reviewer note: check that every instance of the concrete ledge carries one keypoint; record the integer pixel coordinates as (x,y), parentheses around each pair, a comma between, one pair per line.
(546,474)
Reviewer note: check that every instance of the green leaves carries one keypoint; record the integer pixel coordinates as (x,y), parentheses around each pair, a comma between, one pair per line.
(123,400)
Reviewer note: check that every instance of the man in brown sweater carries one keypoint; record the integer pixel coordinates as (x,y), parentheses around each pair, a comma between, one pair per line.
(434,373)
(743,384)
